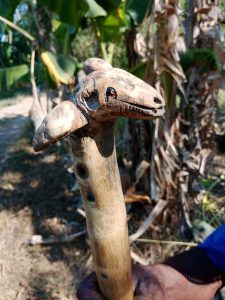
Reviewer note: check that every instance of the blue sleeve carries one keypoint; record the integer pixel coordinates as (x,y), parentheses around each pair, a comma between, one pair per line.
(214,247)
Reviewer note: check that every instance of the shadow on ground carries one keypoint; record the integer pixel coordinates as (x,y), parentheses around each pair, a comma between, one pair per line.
(36,198)
(10,130)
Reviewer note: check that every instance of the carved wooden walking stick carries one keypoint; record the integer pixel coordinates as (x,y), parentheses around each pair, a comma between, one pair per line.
(89,118)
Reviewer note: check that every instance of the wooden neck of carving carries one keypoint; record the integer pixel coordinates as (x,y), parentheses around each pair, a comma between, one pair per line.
(96,169)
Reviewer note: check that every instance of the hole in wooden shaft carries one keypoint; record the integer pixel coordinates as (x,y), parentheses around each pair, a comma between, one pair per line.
(105,276)
(81,171)
(90,197)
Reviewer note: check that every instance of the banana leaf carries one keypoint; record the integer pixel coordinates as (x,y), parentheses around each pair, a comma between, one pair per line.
(205,59)
(139,70)
(138,10)
(60,67)
(7,8)
(94,10)
(114,24)
(11,76)
(109,4)
(72,11)
(64,34)
(17,76)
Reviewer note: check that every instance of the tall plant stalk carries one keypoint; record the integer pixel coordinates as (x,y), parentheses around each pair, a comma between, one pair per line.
(202,85)
(168,180)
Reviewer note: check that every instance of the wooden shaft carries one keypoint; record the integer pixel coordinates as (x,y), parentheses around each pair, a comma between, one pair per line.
(97,172)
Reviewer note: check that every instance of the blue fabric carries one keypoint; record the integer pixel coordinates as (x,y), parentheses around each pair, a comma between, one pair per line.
(214,246)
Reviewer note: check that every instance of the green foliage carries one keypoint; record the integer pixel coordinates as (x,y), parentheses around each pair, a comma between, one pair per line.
(15,53)
(138,10)
(18,76)
(15,48)
(61,68)
(94,10)
(112,25)
(223,6)
(205,59)
(110,19)
(139,70)
(72,11)
(64,35)
(120,59)
(7,8)
(10,77)
(69,11)
(207,182)
(109,4)
(183,4)
(84,45)
(168,84)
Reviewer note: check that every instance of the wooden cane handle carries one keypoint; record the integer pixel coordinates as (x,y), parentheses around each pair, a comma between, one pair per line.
(97,172)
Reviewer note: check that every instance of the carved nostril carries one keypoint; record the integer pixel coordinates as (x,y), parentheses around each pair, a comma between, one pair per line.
(157,100)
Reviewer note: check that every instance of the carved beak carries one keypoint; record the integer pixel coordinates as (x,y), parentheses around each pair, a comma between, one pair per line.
(61,121)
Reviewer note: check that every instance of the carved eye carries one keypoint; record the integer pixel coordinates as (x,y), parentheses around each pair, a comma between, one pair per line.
(110,92)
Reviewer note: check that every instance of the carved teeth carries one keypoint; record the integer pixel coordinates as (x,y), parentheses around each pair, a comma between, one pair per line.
(154,109)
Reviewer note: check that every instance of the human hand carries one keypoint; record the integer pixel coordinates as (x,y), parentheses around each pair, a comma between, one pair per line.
(89,289)
(143,281)
(178,287)
(155,282)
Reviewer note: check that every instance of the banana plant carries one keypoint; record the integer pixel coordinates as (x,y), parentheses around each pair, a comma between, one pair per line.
(11,77)
(189,122)
(203,65)
(109,19)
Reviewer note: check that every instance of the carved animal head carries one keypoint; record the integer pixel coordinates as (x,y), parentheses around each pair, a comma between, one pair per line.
(103,95)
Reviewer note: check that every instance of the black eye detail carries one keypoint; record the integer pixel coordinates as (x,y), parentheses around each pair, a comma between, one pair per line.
(110,92)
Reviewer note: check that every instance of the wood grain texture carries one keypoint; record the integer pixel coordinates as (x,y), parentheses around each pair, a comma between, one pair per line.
(96,169)
(61,121)
(96,64)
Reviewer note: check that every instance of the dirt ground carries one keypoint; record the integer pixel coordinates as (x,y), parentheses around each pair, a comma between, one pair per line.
(33,201)
(36,198)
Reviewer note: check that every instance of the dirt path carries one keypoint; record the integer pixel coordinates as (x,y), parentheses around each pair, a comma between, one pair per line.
(34,202)
(13,118)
